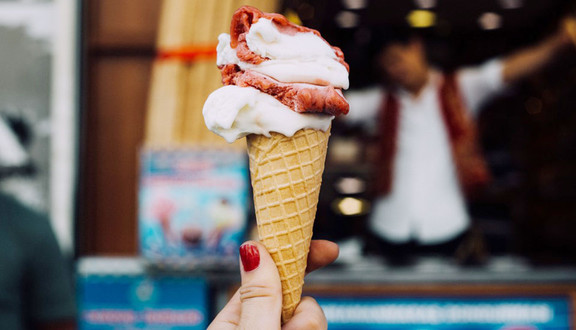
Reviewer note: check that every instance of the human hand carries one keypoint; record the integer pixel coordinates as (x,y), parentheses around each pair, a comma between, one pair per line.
(257,305)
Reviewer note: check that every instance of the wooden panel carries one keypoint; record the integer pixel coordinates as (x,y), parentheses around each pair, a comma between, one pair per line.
(442,289)
(119,41)
(122,23)
(114,131)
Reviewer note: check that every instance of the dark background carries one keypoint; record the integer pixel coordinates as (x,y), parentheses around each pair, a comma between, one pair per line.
(528,133)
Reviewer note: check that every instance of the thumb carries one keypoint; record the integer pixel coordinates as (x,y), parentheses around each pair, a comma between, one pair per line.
(261,291)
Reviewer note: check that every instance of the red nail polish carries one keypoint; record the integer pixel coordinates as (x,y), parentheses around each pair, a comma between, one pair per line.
(250,257)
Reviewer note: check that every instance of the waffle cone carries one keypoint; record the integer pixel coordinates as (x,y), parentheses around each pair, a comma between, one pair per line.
(286,174)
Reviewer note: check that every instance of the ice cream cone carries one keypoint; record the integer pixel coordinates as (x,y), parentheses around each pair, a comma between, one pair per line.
(286,175)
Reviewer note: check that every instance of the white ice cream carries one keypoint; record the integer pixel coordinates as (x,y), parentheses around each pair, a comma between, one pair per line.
(301,57)
(234,112)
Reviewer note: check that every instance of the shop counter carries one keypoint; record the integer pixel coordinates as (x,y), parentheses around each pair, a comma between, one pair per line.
(433,293)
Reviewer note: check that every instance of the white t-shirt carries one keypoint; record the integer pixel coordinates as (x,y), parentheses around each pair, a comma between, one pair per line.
(425,202)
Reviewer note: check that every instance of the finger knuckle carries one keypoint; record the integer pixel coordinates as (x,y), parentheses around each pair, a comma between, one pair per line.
(255,292)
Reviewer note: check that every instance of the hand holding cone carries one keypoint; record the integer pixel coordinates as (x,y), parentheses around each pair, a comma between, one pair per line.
(286,176)
(286,117)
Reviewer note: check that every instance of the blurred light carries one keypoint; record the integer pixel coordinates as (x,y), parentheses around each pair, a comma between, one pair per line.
(347,19)
(293,17)
(350,206)
(570,27)
(533,105)
(354,4)
(344,150)
(511,4)
(350,186)
(425,4)
(490,21)
(421,18)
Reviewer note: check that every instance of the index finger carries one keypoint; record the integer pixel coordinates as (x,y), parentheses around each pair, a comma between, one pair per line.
(322,253)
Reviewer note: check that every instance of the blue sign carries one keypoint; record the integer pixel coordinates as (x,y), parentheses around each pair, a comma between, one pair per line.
(193,206)
(477,313)
(141,302)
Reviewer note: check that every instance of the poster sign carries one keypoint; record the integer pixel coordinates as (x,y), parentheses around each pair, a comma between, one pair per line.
(193,205)
(472,313)
(139,302)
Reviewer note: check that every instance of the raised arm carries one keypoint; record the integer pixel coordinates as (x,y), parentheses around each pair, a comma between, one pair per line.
(530,60)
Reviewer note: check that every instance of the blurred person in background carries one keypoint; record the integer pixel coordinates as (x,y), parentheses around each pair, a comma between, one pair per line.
(428,156)
(36,290)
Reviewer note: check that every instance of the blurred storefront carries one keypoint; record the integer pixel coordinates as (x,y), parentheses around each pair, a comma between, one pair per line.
(162,204)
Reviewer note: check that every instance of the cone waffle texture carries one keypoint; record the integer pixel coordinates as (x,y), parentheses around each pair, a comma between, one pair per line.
(286,175)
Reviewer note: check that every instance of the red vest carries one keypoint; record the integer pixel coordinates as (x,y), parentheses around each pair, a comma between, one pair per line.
(470,165)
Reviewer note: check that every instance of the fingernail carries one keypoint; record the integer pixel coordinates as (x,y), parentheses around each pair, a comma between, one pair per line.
(250,257)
